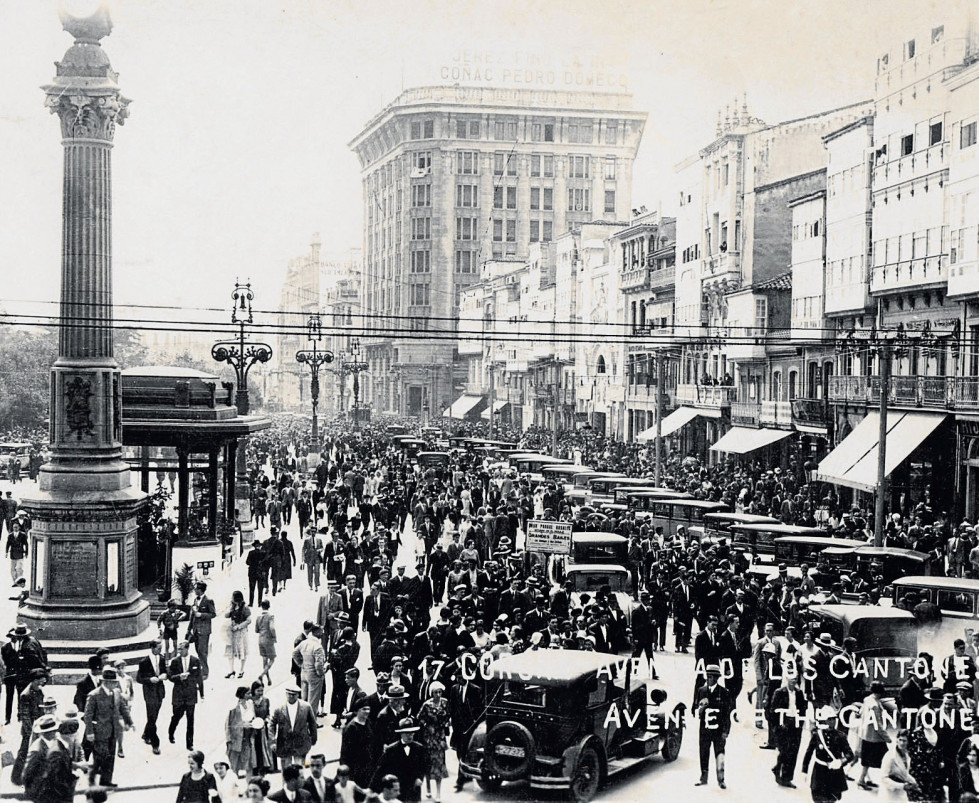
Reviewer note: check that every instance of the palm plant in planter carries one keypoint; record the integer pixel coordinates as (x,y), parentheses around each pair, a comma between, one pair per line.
(184,578)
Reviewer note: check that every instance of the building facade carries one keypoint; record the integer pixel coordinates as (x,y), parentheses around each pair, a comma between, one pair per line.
(455,176)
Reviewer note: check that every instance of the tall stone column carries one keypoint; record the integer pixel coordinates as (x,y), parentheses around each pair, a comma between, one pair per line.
(83,585)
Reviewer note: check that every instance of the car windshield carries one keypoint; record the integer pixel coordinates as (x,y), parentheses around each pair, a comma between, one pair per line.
(592,581)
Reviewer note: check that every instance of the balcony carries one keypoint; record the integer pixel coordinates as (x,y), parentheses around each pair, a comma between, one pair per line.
(663,278)
(776,414)
(746,343)
(746,414)
(912,166)
(634,279)
(916,273)
(712,396)
(935,392)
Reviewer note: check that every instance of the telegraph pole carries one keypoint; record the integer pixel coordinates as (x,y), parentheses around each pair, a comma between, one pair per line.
(880,505)
(557,406)
(659,420)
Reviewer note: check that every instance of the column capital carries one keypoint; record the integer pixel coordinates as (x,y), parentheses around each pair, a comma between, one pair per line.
(84,93)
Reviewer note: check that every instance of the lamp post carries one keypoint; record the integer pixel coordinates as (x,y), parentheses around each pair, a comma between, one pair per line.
(886,346)
(314,358)
(355,366)
(241,355)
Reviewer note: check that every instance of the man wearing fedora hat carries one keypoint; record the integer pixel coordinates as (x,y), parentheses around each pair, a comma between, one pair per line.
(48,776)
(293,728)
(105,709)
(406,759)
(28,712)
(713,706)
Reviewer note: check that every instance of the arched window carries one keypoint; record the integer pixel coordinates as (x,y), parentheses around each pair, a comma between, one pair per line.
(601,365)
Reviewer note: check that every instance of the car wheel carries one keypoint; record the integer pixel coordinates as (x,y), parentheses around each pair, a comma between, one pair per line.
(488,782)
(509,751)
(671,745)
(587,775)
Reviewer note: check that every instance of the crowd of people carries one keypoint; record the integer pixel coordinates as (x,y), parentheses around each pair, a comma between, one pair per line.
(469,590)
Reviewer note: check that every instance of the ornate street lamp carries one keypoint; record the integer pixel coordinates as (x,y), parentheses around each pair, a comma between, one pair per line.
(241,355)
(886,345)
(314,358)
(355,366)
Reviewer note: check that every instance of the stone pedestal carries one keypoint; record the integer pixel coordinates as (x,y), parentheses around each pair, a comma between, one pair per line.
(84,578)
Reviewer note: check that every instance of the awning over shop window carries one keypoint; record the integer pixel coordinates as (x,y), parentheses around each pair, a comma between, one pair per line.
(854,462)
(498,407)
(678,418)
(462,406)
(741,440)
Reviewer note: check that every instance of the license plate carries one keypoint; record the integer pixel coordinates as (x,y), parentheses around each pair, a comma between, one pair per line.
(507,750)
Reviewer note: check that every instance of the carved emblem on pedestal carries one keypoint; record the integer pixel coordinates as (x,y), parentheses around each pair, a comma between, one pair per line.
(78,407)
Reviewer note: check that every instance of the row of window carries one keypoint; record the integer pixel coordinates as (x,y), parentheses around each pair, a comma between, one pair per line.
(576,133)
(806,231)
(466,163)
(905,247)
(465,260)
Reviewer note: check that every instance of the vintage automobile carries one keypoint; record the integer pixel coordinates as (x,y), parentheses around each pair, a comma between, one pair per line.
(591,577)
(549,723)
(887,639)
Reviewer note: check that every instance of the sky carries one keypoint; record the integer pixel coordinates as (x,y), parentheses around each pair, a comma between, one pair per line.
(236,148)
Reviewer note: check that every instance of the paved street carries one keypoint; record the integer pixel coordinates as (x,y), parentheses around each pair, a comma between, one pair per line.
(155,777)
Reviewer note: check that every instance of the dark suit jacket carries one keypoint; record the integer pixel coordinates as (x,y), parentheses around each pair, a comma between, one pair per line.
(144,674)
(310,786)
(377,615)
(705,650)
(185,691)
(83,688)
(302,796)
(642,624)
(200,622)
(407,768)
(356,604)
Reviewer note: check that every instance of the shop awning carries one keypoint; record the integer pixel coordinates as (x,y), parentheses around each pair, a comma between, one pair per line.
(854,462)
(741,440)
(678,418)
(498,407)
(462,406)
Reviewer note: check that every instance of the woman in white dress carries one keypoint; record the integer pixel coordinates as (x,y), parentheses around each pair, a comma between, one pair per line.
(896,781)
(126,691)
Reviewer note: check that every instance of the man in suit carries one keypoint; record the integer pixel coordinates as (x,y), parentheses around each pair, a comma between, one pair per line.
(644,628)
(311,658)
(406,759)
(713,707)
(788,713)
(767,660)
(256,572)
(185,675)
(354,694)
(312,557)
(85,687)
(602,632)
(293,791)
(320,788)
(151,675)
(326,613)
(377,614)
(293,728)
(465,712)
(105,712)
(352,600)
(681,603)
(707,650)
(201,615)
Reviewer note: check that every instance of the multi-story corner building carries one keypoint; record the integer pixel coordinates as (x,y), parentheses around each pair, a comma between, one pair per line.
(920,234)
(454,176)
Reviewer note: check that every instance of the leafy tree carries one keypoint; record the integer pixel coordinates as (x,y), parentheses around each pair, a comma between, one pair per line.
(26,357)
